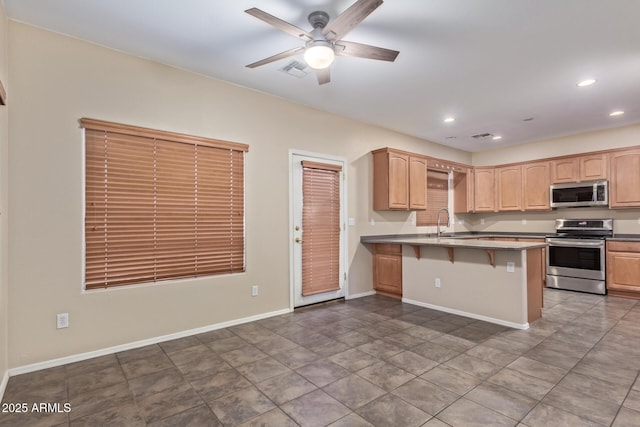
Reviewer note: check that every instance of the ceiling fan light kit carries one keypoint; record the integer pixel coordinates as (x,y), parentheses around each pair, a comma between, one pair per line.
(319,54)
(325,41)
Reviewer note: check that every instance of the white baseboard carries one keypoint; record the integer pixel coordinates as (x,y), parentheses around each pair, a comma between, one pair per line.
(360,295)
(110,350)
(3,384)
(471,315)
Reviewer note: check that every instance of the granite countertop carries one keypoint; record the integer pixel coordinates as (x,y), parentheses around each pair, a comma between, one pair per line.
(459,241)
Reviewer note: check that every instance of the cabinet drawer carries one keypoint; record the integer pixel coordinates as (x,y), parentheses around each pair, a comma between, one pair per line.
(623,246)
(388,248)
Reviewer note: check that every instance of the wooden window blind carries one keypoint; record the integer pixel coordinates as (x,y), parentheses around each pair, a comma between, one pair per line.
(437,198)
(320,228)
(160,205)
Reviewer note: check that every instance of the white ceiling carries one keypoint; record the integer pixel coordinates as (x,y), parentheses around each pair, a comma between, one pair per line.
(489,63)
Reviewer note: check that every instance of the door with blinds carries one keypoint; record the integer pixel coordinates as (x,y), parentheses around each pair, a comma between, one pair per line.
(318,229)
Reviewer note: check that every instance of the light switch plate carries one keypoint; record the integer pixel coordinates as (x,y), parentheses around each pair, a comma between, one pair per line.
(511,266)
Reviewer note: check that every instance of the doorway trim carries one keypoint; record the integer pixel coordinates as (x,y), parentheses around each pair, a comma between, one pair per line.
(343,201)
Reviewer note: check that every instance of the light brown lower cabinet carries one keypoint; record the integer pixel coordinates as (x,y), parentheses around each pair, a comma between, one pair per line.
(387,269)
(623,269)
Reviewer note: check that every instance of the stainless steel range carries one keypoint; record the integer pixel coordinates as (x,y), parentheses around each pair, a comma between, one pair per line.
(576,255)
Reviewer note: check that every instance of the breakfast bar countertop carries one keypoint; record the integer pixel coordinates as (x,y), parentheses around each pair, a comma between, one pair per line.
(469,242)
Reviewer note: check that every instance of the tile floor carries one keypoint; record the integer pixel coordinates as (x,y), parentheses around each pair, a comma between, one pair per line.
(370,361)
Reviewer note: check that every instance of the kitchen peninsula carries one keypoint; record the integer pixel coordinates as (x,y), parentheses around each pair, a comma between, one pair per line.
(493,280)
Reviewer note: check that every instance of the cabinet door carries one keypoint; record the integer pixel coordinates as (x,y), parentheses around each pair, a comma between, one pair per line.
(484,189)
(509,184)
(390,180)
(565,170)
(417,183)
(623,267)
(535,186)
(398,181)
(463,192)
(593,167)
(387,269)
(624,179)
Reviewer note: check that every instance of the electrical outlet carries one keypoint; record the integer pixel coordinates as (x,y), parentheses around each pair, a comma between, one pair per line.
(524,222)
(438,283)
(352,222)
(511,266)
(481,220)
(254,290)
(62,320)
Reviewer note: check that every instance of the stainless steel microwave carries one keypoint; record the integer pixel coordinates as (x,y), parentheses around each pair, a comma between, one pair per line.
(580,194)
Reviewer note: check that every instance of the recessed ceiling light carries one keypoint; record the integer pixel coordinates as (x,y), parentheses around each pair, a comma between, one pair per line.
(587,82)
(496,137)
(616,113)
(449,119)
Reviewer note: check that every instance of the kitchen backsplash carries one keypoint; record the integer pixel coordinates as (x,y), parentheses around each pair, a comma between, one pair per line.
(626,221)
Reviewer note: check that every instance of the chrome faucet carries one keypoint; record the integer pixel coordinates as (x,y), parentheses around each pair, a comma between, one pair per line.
(438,220)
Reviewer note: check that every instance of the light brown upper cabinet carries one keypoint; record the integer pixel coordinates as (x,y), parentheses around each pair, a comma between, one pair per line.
(594,166)
(535,186)
(417,183)
(509,188)
(579,168)
(624,181)
(463,191)
(399,180)
(484,189)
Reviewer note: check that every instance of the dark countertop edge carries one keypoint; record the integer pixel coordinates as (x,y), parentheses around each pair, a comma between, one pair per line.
(370,239)
(627,237)
(367,239)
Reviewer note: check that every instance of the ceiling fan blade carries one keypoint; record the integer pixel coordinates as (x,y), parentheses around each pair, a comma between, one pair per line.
(350,18)
(324,75)
(359,50)
(277,56)
(279,24)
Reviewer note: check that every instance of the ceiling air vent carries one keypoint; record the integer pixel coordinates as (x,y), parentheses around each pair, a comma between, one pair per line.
(295,68)
(482,136)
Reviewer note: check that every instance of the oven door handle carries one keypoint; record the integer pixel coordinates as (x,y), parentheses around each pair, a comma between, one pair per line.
(575,243)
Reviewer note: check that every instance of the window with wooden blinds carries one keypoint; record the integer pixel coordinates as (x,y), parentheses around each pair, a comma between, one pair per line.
(160,205)
(437,198)
(320,227)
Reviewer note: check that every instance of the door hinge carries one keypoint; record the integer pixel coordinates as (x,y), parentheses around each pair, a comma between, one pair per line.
(344,176)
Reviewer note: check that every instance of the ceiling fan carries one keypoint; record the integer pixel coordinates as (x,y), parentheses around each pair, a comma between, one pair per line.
(325,40)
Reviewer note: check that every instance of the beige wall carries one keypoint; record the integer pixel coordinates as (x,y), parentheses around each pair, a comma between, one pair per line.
(4,163)
(57,80)
(470,285)
(606,139)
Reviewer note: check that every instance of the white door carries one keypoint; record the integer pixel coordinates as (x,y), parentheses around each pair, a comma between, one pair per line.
(317,228)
